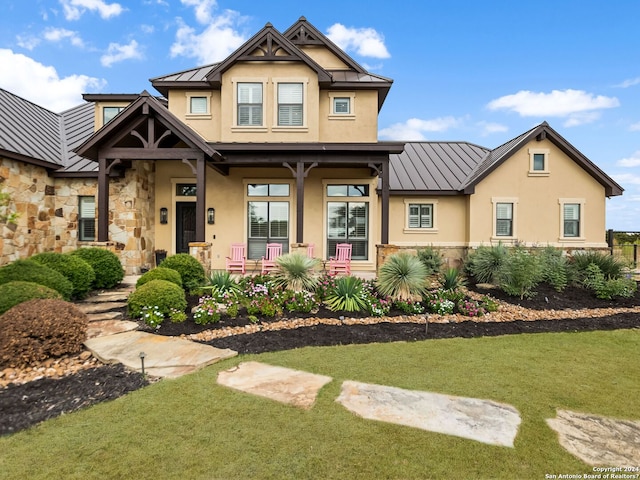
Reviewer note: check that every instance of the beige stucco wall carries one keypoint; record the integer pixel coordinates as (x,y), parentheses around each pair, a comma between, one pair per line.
(537,220)
(324,57)
(208,125)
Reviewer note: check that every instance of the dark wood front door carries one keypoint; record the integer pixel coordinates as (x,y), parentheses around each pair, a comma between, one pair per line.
(185,225)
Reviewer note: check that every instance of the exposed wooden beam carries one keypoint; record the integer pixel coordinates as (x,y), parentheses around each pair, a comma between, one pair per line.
(103,200)
(201,198)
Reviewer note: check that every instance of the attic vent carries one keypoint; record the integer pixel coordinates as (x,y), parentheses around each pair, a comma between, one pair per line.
(541,136)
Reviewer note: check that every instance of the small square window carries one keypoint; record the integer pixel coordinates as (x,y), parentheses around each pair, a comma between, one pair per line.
(420,215)
(108,113)
(341,105)
(198,105)
(538,162)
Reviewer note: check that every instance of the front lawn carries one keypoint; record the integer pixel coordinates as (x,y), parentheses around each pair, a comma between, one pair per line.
(191,428)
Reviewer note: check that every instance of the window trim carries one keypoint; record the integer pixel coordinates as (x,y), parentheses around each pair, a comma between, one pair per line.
(434,215)
(81,219)
(104,107)
(514,220)
(352,106)
(581,202)
(189,113)
(539,173)
(275,127)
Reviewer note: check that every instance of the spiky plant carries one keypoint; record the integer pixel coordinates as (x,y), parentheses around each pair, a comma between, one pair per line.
(346,295)
(451,279)
(297,272)
(431,258)
(402,277)
(221,282)
(484,264)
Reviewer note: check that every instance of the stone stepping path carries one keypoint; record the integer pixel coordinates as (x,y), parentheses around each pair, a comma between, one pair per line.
(90,308)
(102,328)
(596,440)
(285,385)
(481,420)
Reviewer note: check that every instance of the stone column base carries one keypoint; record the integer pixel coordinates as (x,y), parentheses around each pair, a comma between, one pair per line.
(202,252)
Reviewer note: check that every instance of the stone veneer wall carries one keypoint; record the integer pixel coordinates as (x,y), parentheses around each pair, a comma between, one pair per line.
(132,216)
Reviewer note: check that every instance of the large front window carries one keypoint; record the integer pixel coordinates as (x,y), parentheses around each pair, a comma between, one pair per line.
(290,104)
(268,221)
(250,104)
(348,220)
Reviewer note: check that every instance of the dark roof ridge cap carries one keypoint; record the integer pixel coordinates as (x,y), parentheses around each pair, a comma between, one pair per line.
(29,101)
(212,65)
(521,135)
(449,141)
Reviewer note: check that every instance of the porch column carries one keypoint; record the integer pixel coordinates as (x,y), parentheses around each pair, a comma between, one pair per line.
(299,202)
(384,234)
(201,197)
(103,201)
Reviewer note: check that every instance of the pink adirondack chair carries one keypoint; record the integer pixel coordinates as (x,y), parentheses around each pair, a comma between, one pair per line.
(310,248)
(237,261)
(341,263)
(274,250)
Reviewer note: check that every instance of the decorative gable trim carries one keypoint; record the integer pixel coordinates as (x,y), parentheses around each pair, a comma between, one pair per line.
(267,45)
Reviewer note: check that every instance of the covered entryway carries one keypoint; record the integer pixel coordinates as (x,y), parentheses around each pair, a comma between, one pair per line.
(185,225)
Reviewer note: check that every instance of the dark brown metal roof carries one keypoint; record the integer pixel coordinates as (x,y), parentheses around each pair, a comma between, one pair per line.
(78,125)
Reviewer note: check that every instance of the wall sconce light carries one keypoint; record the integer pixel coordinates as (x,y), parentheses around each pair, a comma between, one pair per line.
(211,216)
(164,215)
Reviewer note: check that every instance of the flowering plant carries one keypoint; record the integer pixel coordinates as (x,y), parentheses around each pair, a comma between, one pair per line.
(441,306)
(409,307)
(177,316)
(152,316)
(206,311)
(302,301)
(377,305)
(470,308)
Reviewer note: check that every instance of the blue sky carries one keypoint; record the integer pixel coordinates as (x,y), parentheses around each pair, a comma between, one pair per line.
(483,72)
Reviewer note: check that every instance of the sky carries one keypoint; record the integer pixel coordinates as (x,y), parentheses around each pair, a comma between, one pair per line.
(476,71)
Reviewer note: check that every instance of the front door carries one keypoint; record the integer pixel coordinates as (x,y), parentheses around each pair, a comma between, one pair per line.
(185,225)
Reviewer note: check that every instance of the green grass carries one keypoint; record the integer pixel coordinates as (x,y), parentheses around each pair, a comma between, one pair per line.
(191,428)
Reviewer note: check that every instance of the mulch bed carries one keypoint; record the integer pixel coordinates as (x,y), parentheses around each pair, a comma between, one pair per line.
(25,405)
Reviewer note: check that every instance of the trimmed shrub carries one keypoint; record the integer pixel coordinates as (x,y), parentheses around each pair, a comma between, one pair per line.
(14,293)
(431,259)
(160,273)
(39,329)
(402,277)
(484,264)
(297,272)
(105,264)
(157,293)
(610,266)
(520,273)
(189,268)
(75,269)
(30,271)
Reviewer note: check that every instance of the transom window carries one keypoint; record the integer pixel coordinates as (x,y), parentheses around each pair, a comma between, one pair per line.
(420,215)
(250,104)
(347,190)
(504,219)
(87,219)
(268,190)
(108,113)
(290,104)
(571,213)
(186,189)
(198,105)
(341,105)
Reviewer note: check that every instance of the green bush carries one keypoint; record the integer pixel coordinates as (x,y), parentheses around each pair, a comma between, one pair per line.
(346,295)
(608,265)
(485,263)
(74,268)
(39,329)
(30,271)
(402,277)
(13,293)
(160,273)
(554,268)
(451,279)
(520,273)
(157,293)
(105,264)
(431,259)
(297,272)
(608,288)
(189,268)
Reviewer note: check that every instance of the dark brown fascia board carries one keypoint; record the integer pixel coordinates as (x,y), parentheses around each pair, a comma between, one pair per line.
(30,160)
(378,147)
(65,174)
(611,187)
(215,75)
(302,22)
(109,97)
(164,86)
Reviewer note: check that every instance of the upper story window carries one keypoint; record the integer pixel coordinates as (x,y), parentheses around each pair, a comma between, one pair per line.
(198,105)
(290,105)
(538,162)
(109,112)
(250,104)
(341,106)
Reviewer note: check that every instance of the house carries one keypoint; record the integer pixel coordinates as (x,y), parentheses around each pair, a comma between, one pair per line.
(278,144)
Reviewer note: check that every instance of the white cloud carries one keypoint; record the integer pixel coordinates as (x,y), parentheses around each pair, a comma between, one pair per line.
(488,128)
(74,9)
(58,34)
(41,84)
(629,83)
(627,179)
(147,28)
(364,41)
(635,127)
(118,53)
(632,161)
(203,9)
(213,44)
(577,106)
(28,42)
(415,128)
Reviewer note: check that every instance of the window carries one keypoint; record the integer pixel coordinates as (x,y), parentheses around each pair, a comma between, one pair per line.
(186,189)
(108,113)
(571,214)
(538,162)
(198,105)
(420,215)
(268,221)
(348,221)
(290,104)
(504,219)
(250,104)
(87,219)
(341,105)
